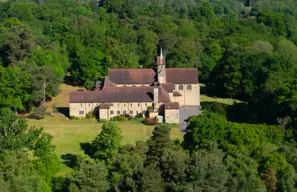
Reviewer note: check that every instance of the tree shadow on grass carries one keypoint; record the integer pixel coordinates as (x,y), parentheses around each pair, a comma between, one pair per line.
(87,148)
(238,112)
(71,160)
(64,111)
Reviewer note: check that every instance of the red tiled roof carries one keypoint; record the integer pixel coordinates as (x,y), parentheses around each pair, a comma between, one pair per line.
(119,94)
(176,94)
(132,76)
(108,82)
(168,87)
(147,76)
(182,75)
(105,105)
(171,105)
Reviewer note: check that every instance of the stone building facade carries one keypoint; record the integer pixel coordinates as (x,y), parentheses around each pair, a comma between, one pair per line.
(133,91)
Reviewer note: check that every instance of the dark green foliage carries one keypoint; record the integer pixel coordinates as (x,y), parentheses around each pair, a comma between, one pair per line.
(90,177)
(207,169)
(253,152)
(107,143)
(18,173)
(21,172)
(158,143)
(39,112)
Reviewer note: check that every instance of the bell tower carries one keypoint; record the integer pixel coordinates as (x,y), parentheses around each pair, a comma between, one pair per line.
(161,67)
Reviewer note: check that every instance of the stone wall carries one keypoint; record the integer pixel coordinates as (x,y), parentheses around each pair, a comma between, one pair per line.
(190,94)
(171,115)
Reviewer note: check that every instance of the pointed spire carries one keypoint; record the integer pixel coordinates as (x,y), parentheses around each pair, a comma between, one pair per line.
(161,57)
(161,52)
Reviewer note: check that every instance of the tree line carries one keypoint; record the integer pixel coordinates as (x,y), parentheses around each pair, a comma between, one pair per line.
(215,155)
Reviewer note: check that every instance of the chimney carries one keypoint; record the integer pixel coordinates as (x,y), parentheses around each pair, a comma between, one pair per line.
(156,98)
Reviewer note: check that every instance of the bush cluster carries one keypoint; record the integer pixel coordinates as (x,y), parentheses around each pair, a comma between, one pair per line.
(77,118)
(150,121)
(125,117)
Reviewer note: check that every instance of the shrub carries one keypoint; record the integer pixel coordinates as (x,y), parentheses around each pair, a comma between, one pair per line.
(139,115)
(39,112)
(150,121)
(125,117)
(77,118)
(215,107)
(149,108)
(90,115)
(54,108)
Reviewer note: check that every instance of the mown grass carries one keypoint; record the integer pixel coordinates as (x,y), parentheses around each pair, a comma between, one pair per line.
(226,101)
(69,134)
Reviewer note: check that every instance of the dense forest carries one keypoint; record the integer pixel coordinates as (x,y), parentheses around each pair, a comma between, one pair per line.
(243,49)
(243,52)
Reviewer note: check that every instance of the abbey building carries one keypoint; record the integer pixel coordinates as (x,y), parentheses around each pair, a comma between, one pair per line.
(159,92)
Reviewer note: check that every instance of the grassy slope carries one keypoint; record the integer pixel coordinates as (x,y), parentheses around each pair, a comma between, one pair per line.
(68,134)
(227,101)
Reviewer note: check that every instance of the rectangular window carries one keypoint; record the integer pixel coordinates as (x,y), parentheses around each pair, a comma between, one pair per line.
(131,112)
(81,105)
(131,104)
(124,104)
(81,112)
(145,104)
(180,87)
(89,105)
(138,104)
(136,112)
(189,87)
(118,104)
(124,112)
(111,112)
(118,112)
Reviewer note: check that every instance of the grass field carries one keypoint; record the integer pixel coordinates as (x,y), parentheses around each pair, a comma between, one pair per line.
(68,134)
(226,101)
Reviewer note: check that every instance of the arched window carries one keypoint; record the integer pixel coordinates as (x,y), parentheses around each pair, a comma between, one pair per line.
(180,87)
(189,87)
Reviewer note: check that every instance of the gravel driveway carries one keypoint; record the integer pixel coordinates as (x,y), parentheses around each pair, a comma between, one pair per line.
(184,113)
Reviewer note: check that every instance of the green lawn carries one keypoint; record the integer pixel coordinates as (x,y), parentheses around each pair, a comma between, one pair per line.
(68,134)
(226,101)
